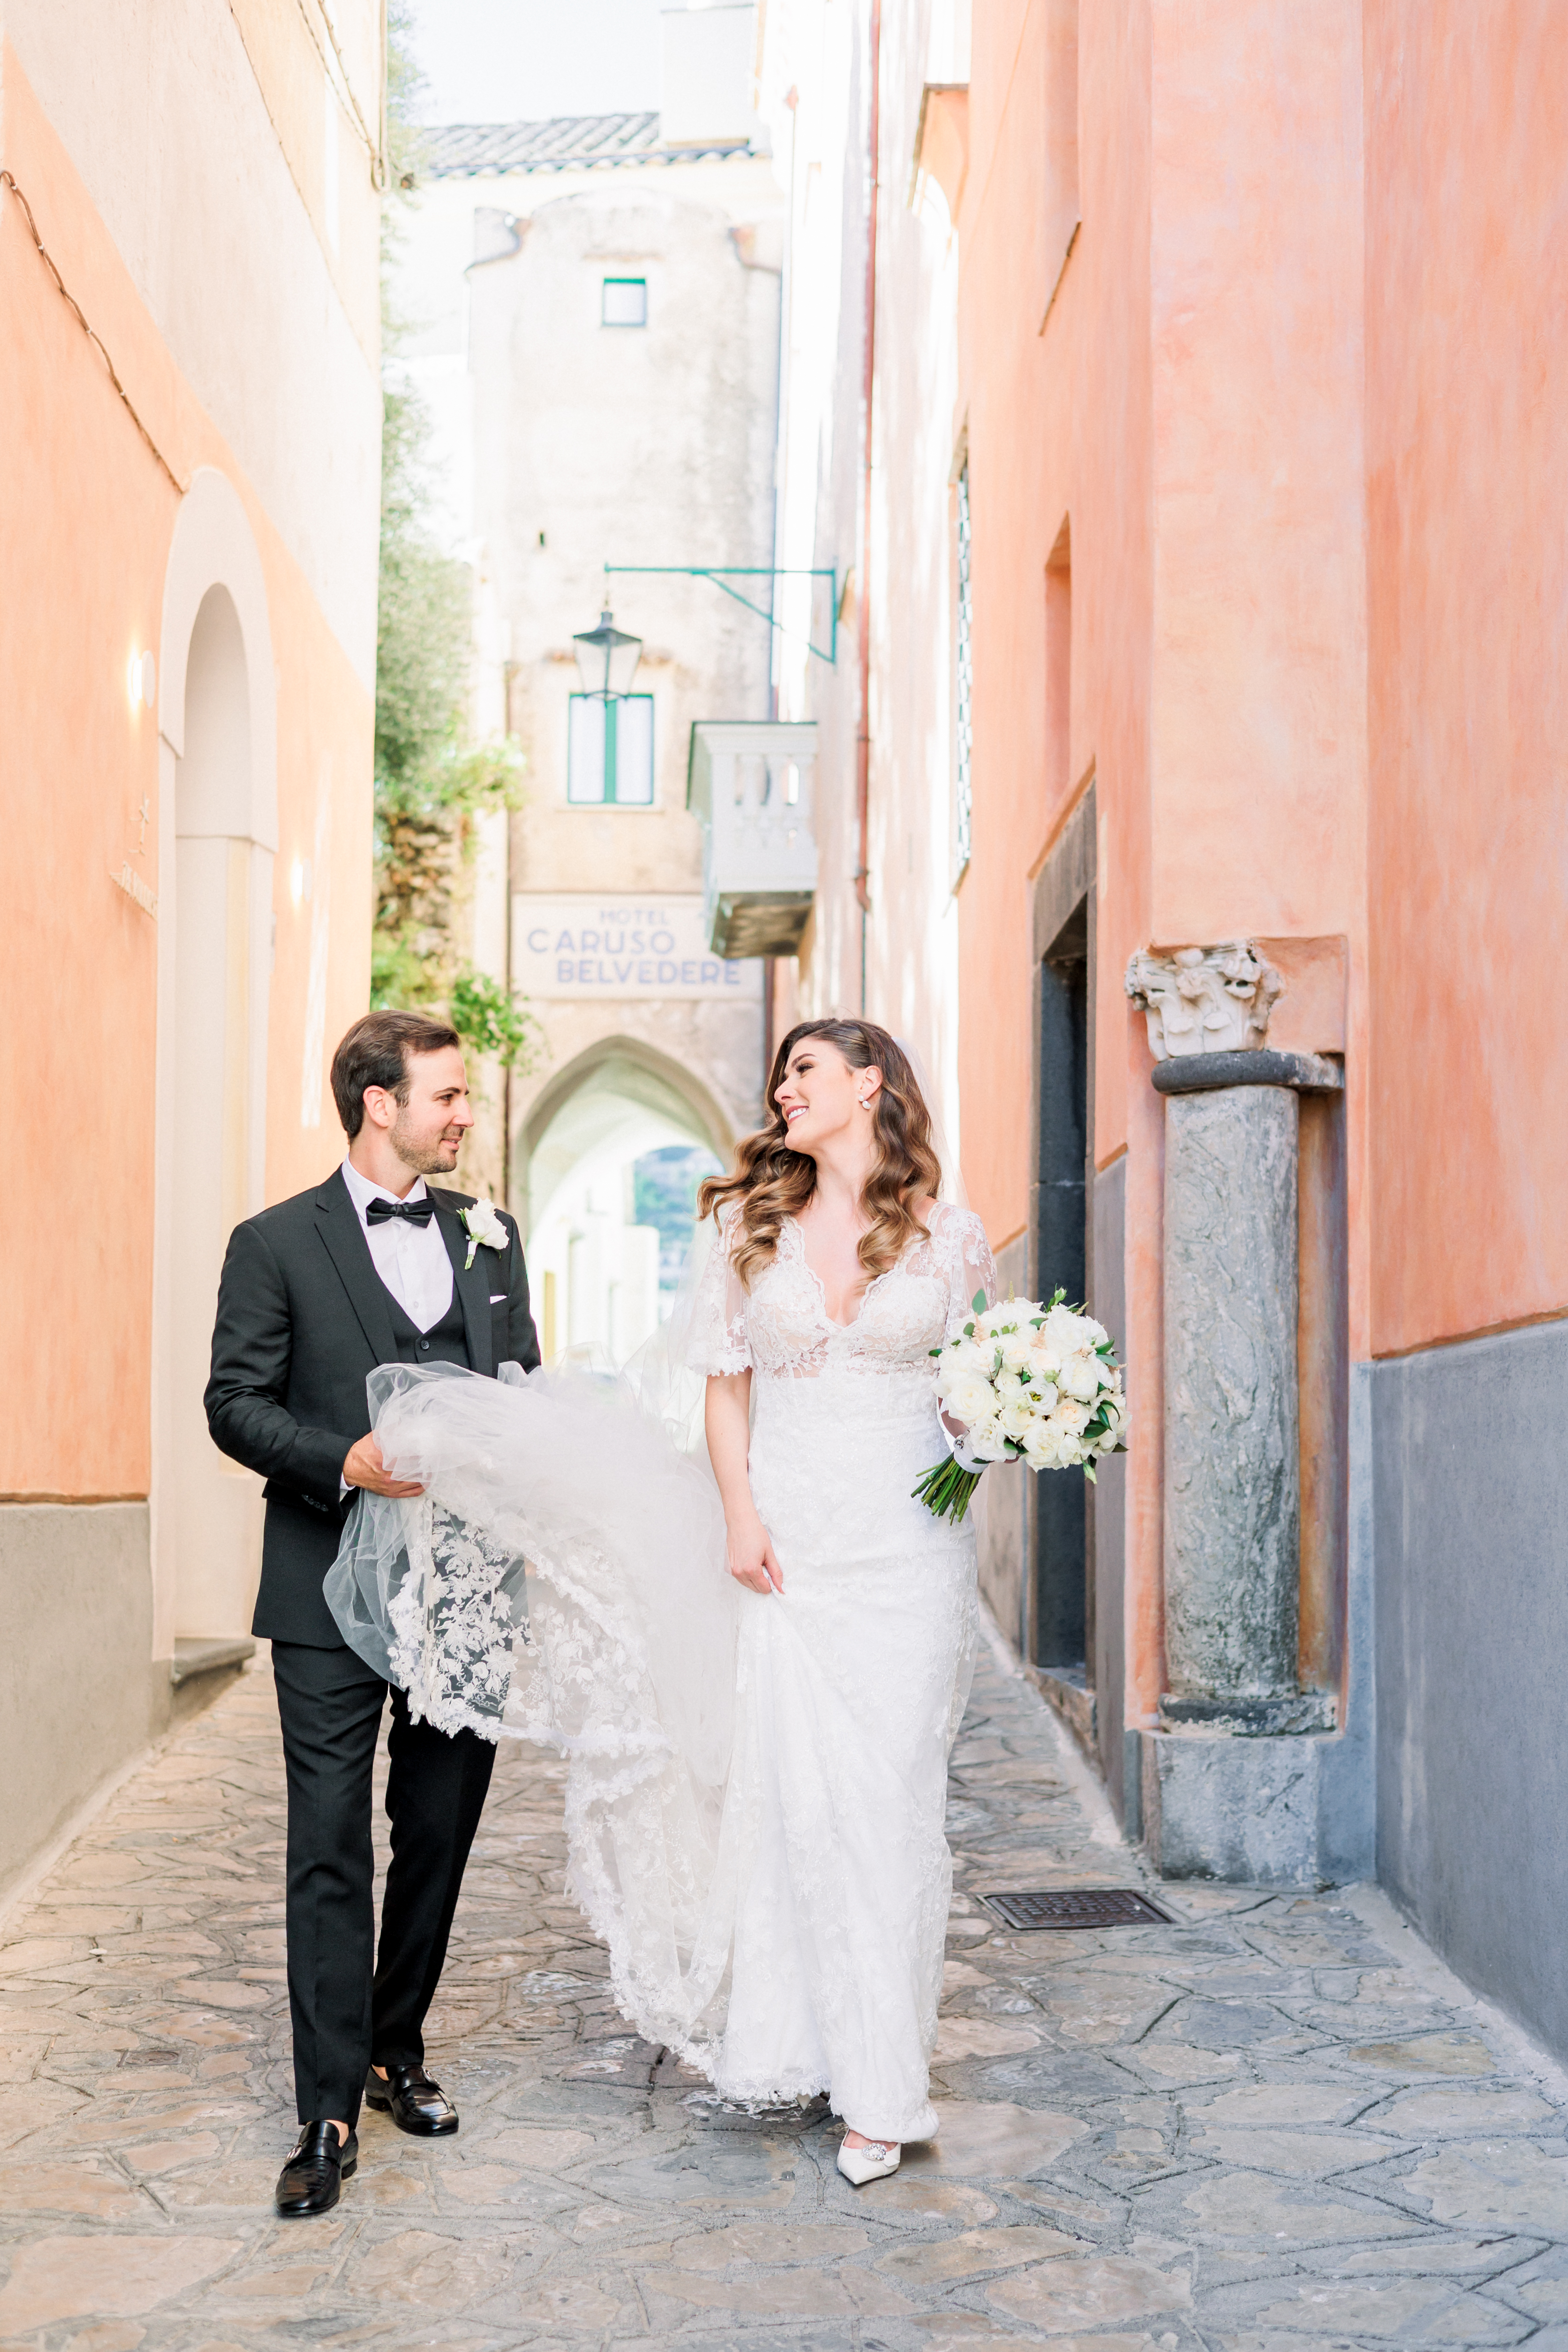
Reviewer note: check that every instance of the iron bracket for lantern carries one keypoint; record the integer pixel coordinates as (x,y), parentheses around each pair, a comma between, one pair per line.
(720,574)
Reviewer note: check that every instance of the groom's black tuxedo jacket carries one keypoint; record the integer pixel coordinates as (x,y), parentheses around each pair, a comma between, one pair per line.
(303,1319)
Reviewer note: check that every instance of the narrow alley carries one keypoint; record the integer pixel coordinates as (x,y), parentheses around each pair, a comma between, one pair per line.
(1275,2122)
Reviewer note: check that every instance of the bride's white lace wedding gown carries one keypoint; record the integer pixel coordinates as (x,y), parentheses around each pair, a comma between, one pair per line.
(756,1784)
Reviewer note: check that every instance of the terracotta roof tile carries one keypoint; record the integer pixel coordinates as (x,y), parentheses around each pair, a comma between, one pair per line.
(566,142)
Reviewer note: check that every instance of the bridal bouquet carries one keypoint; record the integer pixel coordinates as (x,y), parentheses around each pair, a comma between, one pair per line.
(1031,1384)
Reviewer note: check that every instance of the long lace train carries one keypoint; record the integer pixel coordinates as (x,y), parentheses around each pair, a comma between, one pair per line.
(756,1785)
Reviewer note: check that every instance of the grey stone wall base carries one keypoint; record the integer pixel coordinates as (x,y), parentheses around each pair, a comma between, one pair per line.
(176,1699)
(195,1658)
(1066,1692)
(78,1694)
(1251,1812)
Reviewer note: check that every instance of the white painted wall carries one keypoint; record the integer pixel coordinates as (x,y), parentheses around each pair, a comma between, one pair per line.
(568,444)
(814,92)
(218,832)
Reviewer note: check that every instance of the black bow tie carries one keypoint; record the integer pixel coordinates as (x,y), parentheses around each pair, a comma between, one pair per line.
(418,1213)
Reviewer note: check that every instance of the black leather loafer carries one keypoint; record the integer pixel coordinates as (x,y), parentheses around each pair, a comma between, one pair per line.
(311,2180)
(415,2104)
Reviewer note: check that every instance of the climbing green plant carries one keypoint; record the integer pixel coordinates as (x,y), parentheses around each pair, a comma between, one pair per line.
(492,1021)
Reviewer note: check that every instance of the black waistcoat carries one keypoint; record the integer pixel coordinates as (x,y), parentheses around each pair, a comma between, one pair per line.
(445,1342)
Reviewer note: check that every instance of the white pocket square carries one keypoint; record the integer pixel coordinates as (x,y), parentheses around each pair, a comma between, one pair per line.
(498,1298)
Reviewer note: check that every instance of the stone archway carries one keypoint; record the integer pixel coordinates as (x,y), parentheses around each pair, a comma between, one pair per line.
(218,838)
(603,1231)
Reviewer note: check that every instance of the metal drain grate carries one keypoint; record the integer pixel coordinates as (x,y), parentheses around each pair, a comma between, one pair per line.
(1078,1907)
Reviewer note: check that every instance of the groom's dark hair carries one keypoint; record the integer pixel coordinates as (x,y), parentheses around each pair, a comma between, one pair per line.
(374,1053)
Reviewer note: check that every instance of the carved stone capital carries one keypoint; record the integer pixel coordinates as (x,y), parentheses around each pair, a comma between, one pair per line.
(1214,1000)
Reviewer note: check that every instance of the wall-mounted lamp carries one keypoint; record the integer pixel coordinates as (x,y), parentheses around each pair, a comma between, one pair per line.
(606,659)
(142,679)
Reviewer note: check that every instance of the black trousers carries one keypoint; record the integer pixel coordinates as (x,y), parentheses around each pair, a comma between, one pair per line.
(344,2018)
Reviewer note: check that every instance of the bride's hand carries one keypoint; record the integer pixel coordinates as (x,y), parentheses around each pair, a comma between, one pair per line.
(750,1556)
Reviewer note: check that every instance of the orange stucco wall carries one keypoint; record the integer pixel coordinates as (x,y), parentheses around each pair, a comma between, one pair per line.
(1041,455)
(86,520)
(1467,566)
(1057,398)
(1291,414)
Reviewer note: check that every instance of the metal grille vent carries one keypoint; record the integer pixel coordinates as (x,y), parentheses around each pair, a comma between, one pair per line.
(1078,1907)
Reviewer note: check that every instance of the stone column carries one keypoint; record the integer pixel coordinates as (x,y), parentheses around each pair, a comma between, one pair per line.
(1232,1459)
(1231,1486)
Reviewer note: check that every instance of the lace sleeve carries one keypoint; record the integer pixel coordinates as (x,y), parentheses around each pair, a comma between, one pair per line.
(970,1267)
(716,1341)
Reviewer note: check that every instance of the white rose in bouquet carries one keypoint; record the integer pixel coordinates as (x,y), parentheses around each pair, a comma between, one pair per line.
(1043,1446)
(988,1443)
(1080,1377)
(969,1399)
(1060,1330)
(1025,1382)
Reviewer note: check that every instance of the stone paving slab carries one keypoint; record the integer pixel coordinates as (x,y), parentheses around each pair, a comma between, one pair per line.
(1274,2126)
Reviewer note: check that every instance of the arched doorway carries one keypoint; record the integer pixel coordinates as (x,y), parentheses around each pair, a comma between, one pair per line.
(612,1154)
(217,841)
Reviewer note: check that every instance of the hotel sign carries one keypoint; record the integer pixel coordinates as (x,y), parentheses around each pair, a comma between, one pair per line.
(571,944)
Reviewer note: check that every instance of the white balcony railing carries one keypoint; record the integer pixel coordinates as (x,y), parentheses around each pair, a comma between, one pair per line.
(752,786)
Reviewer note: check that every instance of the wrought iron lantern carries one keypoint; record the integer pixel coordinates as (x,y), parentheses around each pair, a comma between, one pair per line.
(606,659)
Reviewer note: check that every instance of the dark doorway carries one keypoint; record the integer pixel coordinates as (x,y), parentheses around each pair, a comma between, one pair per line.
(1060,1518)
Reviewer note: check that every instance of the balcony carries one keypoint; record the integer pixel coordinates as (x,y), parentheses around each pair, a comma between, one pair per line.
(752,786)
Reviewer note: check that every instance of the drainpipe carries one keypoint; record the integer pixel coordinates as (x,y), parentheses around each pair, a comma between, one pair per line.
(863,740)
(744,241)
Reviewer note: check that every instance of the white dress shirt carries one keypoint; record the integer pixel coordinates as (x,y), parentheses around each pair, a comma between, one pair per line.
(411,1260)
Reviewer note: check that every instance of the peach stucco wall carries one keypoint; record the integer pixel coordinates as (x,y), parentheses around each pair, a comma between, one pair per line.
(1467,244)
(1040,456)
(1291,416)
(1056,398)
(86,521)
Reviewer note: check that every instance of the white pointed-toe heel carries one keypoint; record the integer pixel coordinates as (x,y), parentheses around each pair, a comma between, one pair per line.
(875,2161)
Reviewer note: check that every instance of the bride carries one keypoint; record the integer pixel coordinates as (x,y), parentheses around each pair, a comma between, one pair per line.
(756,1766)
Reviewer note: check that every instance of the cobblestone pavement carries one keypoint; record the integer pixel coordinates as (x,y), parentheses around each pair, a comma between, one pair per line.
(1274,2125)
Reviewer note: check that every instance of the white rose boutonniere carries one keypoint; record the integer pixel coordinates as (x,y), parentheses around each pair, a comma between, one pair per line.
(483,1225)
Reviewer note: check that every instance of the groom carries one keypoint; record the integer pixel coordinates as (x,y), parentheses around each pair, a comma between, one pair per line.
(371,1267)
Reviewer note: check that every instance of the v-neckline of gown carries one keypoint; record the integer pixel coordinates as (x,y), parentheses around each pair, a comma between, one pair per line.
(832,1320)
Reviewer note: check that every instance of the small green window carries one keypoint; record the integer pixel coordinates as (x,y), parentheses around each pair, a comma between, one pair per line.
(609,750)
(624,302)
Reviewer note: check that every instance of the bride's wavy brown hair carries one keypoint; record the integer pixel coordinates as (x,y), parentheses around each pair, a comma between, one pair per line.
(771,1183)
